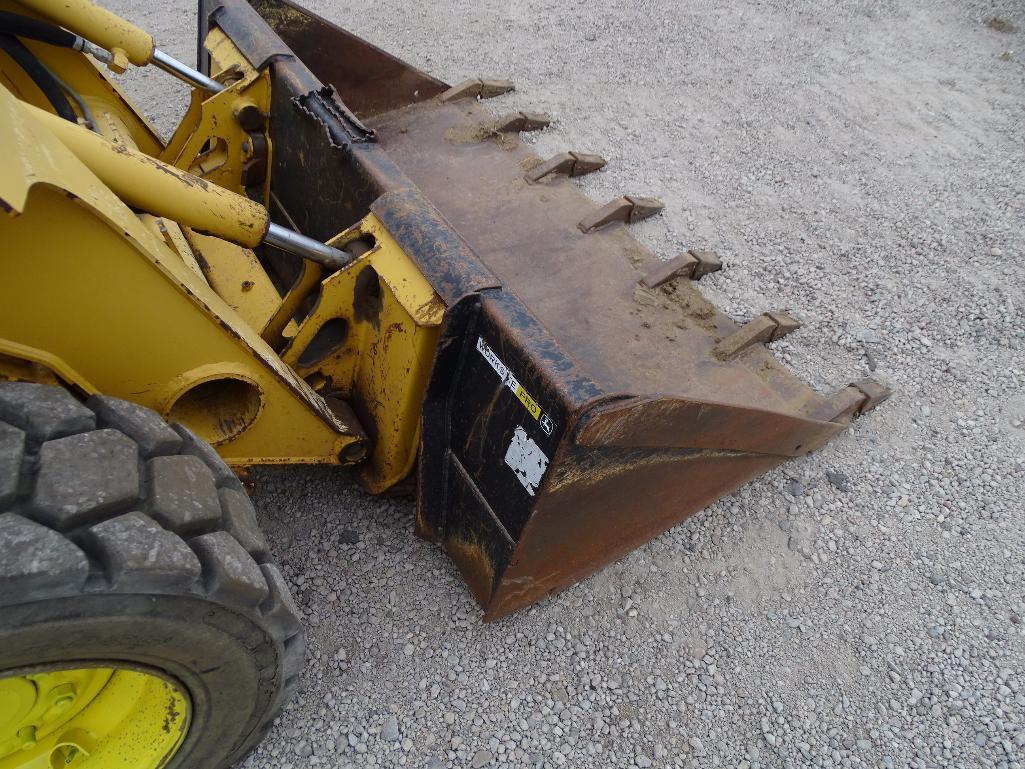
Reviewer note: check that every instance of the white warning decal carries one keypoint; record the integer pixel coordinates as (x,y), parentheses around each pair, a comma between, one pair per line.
(490,357)
(510,381)
(527,460)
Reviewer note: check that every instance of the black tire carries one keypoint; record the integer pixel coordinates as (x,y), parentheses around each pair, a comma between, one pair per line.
(125,540)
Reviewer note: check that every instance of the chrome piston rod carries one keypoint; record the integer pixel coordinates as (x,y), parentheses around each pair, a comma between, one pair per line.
(278,236)
(121,41)
(184,72)
(308,248)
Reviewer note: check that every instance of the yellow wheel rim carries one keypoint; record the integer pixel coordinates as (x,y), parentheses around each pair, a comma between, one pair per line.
(90,718)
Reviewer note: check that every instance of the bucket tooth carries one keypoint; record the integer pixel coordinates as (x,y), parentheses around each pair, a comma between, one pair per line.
(853,401)
(585,163)
(875,392)
(568,163)
(628,209)
(557,164)
(707,261)
(767,327)
(491,88)
(475,88)
(692,264)
(522,121)
(663,272)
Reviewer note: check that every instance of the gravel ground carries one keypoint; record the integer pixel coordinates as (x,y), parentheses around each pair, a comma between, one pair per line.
(860,163)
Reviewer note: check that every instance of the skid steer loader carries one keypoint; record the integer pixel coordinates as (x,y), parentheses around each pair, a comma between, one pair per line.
(335,259)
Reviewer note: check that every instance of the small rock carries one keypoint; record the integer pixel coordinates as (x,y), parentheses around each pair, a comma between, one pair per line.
(348,537)
(481,759)
(839,480)
(390,729)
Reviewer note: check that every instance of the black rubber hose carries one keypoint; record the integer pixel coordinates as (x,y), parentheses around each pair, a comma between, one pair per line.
(34,29)
(25,59)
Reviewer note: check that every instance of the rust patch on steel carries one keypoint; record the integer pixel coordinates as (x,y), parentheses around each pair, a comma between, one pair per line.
(683,424)
(369,80)
(582,527)
(474,565)
(431,309)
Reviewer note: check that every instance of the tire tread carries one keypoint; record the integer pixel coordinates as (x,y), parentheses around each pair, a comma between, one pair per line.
(187,530)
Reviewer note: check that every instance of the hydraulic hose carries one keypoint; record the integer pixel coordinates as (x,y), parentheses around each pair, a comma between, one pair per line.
(34,29)
(45,32)
(39,74)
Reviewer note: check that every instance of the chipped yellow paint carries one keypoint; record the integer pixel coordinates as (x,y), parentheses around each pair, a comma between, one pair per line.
(210,142)
(172,235)
(392,315)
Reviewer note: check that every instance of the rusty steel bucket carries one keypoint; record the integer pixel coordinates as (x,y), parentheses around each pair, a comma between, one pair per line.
(585,397)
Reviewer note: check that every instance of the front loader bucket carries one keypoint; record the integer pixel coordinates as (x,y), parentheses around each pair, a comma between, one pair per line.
(584,397)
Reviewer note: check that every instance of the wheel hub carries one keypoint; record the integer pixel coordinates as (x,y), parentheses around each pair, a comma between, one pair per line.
(90,718)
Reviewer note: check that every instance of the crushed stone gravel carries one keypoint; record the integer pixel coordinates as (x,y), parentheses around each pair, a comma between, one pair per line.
(860,164)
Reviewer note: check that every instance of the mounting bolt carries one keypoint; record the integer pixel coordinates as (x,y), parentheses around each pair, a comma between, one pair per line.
(353,453)
(247,114)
